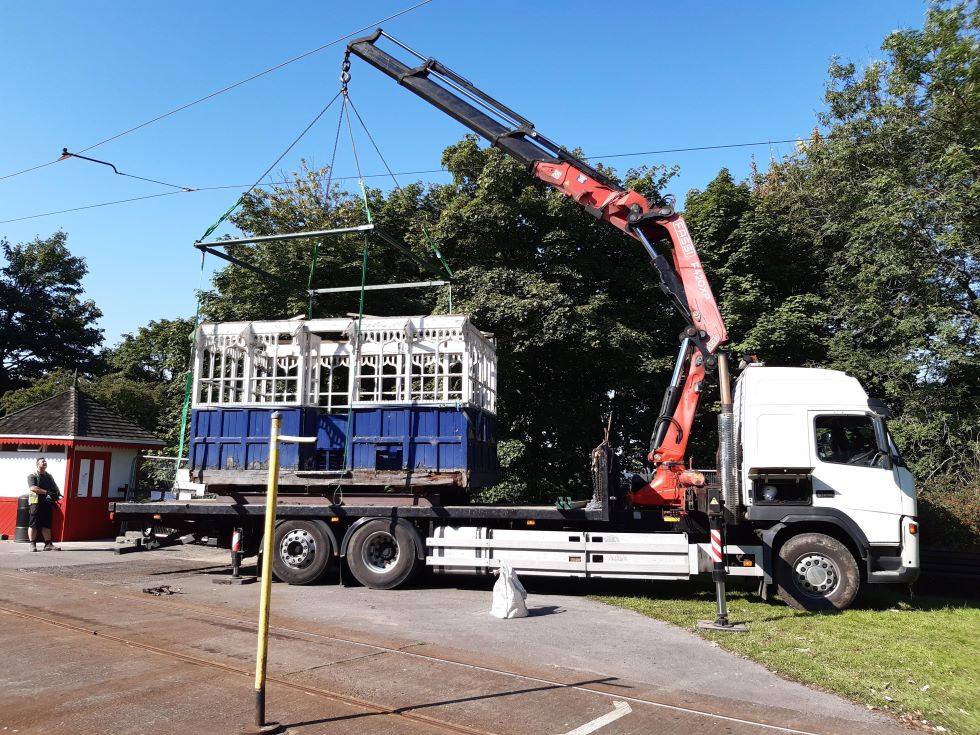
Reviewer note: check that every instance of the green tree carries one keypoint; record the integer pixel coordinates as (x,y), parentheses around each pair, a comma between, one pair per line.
(44,323)
(769,279)
(147,376)
(862,251)
(893,196)
(142,379)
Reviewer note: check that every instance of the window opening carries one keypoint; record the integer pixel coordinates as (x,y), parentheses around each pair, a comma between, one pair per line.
(847,440)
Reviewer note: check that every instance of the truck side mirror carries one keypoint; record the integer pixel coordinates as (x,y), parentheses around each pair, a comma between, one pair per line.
(883,459)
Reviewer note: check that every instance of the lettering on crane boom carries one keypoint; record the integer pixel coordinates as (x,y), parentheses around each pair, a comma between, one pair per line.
(687,247)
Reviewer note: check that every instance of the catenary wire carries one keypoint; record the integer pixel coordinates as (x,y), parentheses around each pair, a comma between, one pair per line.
(694,148)
(389,174)
(229,87)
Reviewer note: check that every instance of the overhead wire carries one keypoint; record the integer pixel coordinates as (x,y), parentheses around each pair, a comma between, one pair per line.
(694,148)
(229,87)
(389,174)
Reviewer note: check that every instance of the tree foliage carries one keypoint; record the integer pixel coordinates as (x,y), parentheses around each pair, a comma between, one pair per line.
(44,322)
(142,379)
(861,251)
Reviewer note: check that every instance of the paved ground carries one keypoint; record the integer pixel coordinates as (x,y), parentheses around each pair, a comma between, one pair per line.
(86,651)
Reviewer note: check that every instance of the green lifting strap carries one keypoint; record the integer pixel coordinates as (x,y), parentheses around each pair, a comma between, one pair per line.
(189,378)
(309,281)
(435,249)
(357,340)
(445,265)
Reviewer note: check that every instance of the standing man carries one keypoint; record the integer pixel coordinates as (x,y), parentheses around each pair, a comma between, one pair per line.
(44,494)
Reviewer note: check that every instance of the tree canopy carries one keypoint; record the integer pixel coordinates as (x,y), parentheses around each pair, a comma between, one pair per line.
(44,323)
(861,251)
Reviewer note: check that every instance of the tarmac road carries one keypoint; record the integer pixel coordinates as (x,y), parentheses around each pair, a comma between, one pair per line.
(85,650)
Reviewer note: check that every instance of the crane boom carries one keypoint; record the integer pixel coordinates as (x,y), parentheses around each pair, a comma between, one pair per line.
(682,277)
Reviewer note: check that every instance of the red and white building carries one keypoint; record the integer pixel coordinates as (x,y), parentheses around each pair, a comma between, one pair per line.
(91,452)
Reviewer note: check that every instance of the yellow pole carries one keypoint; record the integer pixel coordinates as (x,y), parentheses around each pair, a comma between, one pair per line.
(268,538)
(272,490)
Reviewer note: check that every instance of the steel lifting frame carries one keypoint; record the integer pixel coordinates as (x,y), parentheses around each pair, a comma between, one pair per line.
(369,230)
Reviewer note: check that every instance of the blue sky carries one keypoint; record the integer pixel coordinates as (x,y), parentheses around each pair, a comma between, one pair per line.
(610,80)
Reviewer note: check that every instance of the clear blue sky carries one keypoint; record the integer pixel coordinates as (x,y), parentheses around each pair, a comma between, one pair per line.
(610,79)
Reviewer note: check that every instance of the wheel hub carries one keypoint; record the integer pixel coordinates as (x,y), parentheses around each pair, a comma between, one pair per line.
(380,552)
(816,575)
(298,548)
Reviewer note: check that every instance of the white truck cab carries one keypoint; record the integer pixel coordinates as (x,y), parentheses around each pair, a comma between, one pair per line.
(820,475)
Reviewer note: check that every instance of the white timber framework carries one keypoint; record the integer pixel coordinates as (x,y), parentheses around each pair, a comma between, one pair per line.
(333,365)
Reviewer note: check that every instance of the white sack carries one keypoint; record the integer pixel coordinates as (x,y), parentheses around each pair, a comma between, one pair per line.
(508,594)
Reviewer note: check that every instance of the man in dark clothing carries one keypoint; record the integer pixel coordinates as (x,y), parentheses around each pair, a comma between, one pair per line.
(44,494)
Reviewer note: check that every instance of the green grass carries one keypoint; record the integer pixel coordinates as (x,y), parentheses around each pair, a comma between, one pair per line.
(918,659)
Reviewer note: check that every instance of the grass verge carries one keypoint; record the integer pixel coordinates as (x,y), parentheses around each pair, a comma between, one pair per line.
(918,658)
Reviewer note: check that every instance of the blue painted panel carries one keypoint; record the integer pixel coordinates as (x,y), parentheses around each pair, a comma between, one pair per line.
(238,438)
(390,437)
(331,441)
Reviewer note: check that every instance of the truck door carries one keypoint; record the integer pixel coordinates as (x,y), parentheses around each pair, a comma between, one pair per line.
(852,472)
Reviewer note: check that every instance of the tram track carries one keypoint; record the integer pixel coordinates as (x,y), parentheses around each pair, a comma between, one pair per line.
(356,702)
(403,713)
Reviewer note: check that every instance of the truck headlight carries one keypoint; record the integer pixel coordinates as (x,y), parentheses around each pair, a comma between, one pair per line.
(769,492)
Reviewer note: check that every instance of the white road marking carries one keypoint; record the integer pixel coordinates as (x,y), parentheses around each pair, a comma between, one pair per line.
(621,709)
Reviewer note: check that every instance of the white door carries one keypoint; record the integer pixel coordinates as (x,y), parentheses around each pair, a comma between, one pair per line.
(852,473)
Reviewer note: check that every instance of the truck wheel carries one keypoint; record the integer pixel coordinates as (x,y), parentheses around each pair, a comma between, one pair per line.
(382,555)
(302,552)
(817,572)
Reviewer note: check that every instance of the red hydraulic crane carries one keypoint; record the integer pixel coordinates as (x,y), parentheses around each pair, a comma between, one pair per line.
(681,276)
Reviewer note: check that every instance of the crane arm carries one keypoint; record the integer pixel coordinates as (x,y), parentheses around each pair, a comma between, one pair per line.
(681,276)
(682,280)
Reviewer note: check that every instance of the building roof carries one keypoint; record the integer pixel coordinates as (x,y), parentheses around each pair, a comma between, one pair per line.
(74,414)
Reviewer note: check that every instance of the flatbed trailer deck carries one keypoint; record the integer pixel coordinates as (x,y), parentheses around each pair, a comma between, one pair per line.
(230,507)
(386,542)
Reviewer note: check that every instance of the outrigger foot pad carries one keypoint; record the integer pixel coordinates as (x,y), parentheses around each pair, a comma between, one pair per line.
(723,627)
(234,580)
(267,729)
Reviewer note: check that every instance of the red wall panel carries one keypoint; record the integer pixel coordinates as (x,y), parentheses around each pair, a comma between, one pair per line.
(8,516)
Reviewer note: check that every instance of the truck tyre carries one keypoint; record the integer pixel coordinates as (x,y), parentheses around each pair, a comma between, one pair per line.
(817,573)
(381,553)
(302,552)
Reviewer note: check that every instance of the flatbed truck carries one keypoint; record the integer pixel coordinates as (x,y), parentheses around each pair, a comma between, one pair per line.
(810,495)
